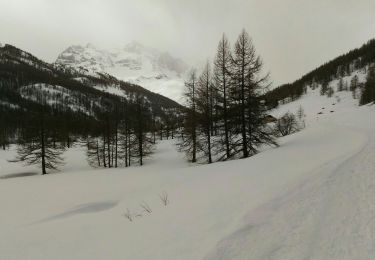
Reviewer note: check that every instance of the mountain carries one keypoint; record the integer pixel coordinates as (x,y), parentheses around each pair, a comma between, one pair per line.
(356,62)
(28,84)
(156,71)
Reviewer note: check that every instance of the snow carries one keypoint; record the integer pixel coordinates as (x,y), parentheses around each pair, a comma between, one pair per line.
(112,89)
(327,216)
(313,104)
(10,105)
(311,198)
(154,70)
(172,88)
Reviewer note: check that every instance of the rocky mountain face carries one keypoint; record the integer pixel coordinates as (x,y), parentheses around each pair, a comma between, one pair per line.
(154,70)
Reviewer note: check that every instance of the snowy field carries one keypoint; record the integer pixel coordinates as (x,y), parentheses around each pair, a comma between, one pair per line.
(311,198)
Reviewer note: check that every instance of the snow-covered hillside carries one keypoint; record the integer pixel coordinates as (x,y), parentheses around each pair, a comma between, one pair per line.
(311,198)
(321,106)
(154,70)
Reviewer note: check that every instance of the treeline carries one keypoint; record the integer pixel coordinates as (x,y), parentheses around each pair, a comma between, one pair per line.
(121,133)
(225,113)
(340,67)
(126,135)
(45,110)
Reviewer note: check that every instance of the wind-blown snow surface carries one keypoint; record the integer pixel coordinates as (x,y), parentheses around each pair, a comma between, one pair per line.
(311,198)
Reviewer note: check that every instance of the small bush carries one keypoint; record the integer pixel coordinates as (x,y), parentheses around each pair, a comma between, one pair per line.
(164,198)
(146,207)
(128,215)
(287,124)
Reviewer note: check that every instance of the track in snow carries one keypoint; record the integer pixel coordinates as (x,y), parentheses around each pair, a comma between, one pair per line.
(330,216)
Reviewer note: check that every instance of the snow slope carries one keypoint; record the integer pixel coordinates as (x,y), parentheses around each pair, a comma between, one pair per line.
(311,198)
(329,215)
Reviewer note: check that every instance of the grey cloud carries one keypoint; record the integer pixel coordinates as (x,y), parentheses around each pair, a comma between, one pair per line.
(292,36)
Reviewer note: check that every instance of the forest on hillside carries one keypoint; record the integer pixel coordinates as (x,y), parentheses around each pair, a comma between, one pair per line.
(360,58)
(45,109)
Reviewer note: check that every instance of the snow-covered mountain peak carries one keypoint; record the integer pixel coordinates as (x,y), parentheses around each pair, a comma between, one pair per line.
(135,47)
(157,71)
(87,57)
(90,46)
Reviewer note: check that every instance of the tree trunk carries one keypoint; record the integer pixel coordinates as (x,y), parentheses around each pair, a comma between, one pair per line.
(209,118)
(116,147)
(194,134)
(243,120)
(108,145)
(226,129)
(140,134)
(126,149)
(129,147)
(104,155)
(42,136)
(97,152)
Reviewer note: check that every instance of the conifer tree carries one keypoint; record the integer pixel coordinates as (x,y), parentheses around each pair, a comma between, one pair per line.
(204,107)
(340,85)
(144,141)
(188,141)
(222,80)
(324,87)
(249,86)
(368,94)
(330,92)
(354,85)
(35,145)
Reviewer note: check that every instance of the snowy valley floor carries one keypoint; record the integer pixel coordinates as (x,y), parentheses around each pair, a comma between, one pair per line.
(311,198)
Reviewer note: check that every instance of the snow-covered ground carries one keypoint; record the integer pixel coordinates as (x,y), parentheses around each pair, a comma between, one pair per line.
(311,198)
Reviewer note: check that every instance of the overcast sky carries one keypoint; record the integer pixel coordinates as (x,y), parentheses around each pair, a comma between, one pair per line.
(292,36)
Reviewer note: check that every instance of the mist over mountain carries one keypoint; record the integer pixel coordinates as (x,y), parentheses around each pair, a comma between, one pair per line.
(152,69)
